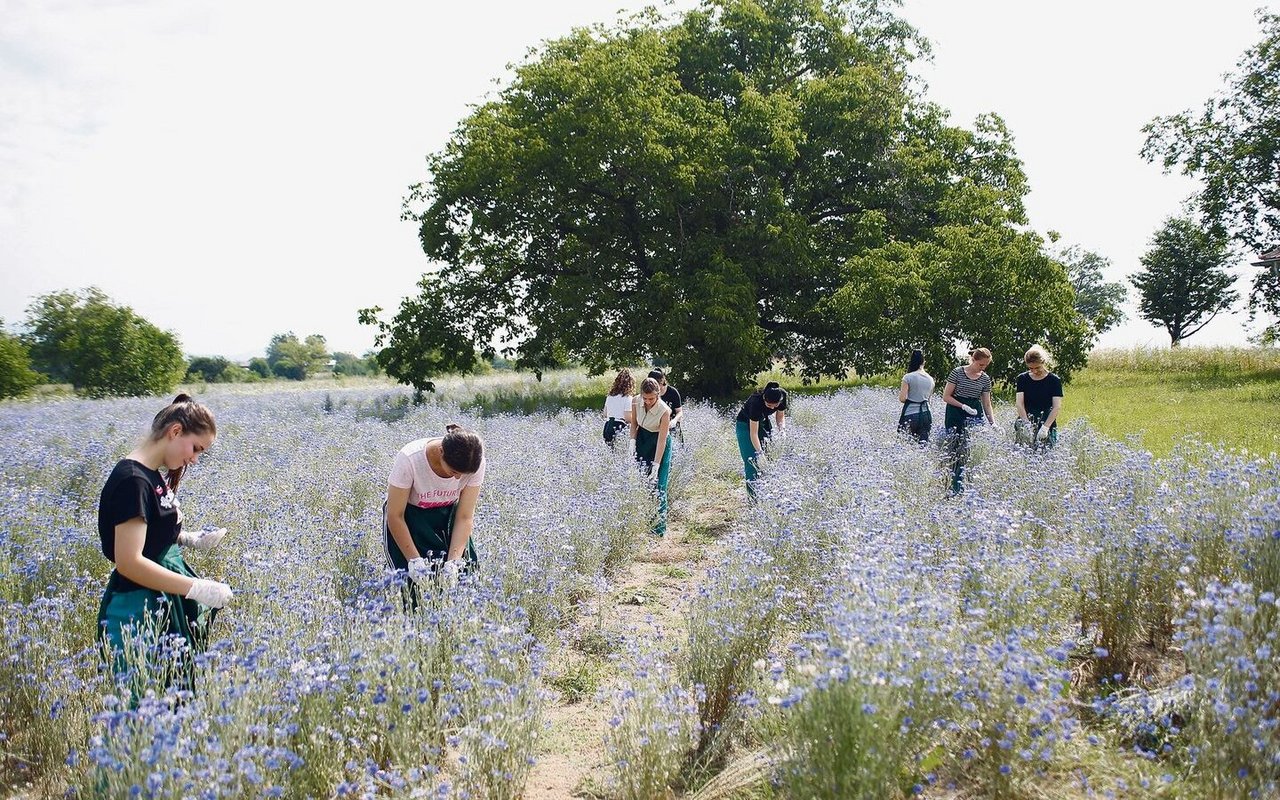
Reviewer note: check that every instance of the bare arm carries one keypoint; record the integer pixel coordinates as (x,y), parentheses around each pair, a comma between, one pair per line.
(986,406)
(130,536)
(755,435)
(902,393)
(1053,413)
(1020,405)
(780,417)
(397,499)
(664,428)
(948,395)
(464,518)
(631,419)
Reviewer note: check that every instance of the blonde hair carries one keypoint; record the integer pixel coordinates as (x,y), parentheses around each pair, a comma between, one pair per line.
(650,386)
(979,354)
(1037,355)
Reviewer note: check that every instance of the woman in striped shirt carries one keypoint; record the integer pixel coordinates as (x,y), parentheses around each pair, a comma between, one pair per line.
(968,398)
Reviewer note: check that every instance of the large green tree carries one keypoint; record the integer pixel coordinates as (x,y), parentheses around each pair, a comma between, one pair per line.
(1098,300)
(1232,145)
(1184,282)
(295,359)
(100,348)
(759,180)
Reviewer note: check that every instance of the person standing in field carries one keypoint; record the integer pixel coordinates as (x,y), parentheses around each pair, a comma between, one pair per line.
(917,385)
(747,428)
(651,430)
(670,396)
(967,396)
(431,505)
(617,405)
(153,600)
(1038,401)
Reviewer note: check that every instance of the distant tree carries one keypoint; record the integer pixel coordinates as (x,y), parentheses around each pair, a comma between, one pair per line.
(1184,283)
(260,366)
(753,176)
(101,348)
(349,364)
(207,368)
(16,376)
(290,358)
(1099,301)
(1232,145)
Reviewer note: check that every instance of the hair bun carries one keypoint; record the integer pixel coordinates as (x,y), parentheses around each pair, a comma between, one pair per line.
(772,385)
(451,427)
(184,398)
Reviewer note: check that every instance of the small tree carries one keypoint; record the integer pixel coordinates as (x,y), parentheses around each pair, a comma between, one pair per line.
(1184,283)
(290,358)
(101,348)
(260,366)
(1099,301)
(16,376)
(207,368)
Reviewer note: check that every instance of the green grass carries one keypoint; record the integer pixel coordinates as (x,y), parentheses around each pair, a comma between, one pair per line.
(1223,396)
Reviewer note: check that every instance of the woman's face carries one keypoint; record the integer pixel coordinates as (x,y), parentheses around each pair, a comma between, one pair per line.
(772,406)
(183,449)
(980,364)
(649,399)
(1035,366)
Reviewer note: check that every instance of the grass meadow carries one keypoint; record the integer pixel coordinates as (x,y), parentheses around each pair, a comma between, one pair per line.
(1097,620)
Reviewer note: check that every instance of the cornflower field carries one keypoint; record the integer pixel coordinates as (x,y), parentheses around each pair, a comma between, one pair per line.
(1087,621)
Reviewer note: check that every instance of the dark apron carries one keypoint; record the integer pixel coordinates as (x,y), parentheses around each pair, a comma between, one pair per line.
(957,419)
(922,421)
(646,449)
(128,610)
(957,424)
(431,530)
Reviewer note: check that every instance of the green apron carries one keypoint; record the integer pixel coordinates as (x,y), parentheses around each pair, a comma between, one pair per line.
(646,449)
(956,418)
(125,612)
(431,530)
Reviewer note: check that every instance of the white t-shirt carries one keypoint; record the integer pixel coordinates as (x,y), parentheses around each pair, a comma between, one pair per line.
(617,405)
(427,489)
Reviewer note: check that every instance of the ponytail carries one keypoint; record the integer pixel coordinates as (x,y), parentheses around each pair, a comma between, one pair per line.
(193,417)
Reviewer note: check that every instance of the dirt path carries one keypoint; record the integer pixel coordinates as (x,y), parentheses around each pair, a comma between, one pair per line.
(648,600)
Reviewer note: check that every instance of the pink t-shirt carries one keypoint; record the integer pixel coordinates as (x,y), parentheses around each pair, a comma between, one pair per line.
(427,489)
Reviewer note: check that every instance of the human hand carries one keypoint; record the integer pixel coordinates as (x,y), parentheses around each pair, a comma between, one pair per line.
(419,570)
(1043,433)
(210,593)
(204,540)
(449,571)
(970,410)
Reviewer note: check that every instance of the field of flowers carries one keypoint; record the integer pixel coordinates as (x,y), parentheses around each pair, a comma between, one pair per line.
(1088,620)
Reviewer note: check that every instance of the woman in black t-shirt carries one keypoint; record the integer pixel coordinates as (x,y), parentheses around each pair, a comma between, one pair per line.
(152,594)
(1038,402)
(747,427)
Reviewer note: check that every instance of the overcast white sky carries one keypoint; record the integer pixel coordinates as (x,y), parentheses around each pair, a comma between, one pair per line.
(234,168)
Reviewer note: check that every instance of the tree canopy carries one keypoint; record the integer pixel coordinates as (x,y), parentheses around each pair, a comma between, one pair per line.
(1184,283)
(1232,145)
(757,181)
(16,376)
(100,348)
(1098,300)
(295,359)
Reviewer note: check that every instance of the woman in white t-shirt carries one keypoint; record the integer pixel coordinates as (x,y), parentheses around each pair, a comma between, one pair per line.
(617,406)
(431,504)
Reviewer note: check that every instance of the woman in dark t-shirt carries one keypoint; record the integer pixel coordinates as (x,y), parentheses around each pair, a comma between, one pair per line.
(152,593)
(747,428)
(1038,402)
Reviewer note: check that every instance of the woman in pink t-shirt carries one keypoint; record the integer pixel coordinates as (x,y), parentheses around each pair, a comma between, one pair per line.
(431,504)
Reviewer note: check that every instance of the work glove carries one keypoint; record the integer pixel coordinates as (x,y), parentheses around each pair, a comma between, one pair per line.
(973,412)
(449,572)
(419,570)
(205,539)
(1043,433)
(210,593)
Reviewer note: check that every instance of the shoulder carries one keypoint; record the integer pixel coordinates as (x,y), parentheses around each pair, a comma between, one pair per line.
(1023,377)
(414,447)
(956,374)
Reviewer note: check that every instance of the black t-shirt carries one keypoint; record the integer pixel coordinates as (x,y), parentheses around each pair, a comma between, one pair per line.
(672,398)
(133,490)
(1037,395)
(755,409)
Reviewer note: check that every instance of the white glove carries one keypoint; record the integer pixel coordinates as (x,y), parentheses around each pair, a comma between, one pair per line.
(204,540)
(210,593)
(449,571)
(1043,433)
(419,570)
(973,412)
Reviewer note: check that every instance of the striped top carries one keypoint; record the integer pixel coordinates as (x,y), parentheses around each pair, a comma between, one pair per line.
(969,387)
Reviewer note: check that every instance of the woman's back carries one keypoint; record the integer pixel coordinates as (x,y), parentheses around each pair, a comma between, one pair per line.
(919,386)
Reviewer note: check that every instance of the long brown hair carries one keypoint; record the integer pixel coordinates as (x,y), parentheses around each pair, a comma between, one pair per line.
(624,384)
(192,416)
